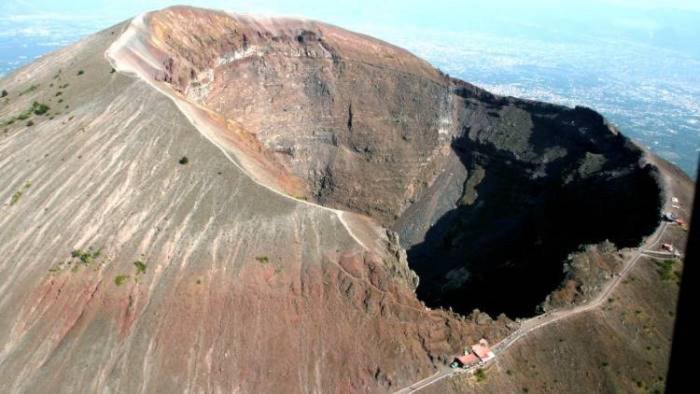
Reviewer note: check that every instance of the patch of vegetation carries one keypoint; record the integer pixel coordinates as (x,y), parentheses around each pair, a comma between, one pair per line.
(666,271)
(15,197)
(480,375)
(262,259)
(18,194)
(29,90)
(30,123)
(81,72)
(184,160)
(113,71)
(140,267)
(509,372)
(40,108)
(604,364)
(78,258)
(86,257)
(3,94)
(37,108)
(59,93)
(120,279)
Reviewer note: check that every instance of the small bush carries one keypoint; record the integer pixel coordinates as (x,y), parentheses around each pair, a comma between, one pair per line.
(120,279)
(15,197)
(30,123)
(85,257)
(262,259)
(3,94)
(29,89)
(81,72)
(40,108)
(184,160)
(140,267)
(480,375)
(113,71)
(665,270)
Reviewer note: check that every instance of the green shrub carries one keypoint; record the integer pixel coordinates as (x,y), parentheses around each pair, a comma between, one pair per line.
(40,108)
(140,267)
(85,257)
(480,375)
(15,197)
(30,123)
(665,270)
(81,72)
(262,259)
(3,94)
(120,279)
(184,160)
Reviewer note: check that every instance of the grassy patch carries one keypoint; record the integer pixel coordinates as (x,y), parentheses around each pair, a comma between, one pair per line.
(37,108)
(480,375)
(29,90)
(15,197)
(262,259)
(120,279)
(18,194)
(140,267)
(85,257)
(666,271)
(78,258)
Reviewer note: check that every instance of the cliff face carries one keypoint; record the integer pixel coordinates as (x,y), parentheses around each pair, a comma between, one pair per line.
(238,175)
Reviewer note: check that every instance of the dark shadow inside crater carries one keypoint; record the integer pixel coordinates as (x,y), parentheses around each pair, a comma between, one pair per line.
(505,252)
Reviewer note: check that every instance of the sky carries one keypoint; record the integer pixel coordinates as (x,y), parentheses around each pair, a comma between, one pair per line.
(641,19)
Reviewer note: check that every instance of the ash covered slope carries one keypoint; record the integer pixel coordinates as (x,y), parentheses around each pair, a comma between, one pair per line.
(237,287)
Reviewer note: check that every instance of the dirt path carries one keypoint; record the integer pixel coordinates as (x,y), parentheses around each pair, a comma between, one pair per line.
(546,319)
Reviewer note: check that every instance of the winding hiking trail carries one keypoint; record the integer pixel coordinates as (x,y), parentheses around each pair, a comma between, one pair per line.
(546,319)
